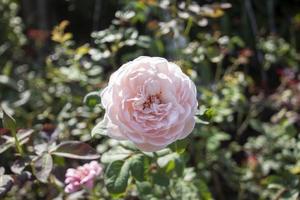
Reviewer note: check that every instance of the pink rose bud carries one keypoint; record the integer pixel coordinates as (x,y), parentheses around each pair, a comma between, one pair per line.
(82,176)
(150,102)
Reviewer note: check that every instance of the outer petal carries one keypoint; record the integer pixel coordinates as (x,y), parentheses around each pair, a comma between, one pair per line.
(114,132)
(149,147)
(188,128)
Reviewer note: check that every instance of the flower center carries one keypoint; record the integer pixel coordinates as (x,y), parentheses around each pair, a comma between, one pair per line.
(152,99)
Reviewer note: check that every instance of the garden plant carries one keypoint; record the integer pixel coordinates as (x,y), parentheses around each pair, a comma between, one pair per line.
(150,99)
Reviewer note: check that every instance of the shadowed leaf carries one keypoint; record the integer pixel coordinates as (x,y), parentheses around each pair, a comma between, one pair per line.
(137,167)
(161,179)
(117,175)
(9,122)
(19,165)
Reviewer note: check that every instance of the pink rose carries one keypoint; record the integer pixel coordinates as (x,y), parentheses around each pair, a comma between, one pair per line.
(82,176)
(150,102)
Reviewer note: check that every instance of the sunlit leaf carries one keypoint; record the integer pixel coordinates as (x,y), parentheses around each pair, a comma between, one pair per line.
(82,50)
(6,182)
(115,154)
(204,190)
(5,80)
(100,128)
(42,167)
(128,145)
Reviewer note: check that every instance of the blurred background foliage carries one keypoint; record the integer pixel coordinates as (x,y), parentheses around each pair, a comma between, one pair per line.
(242,55)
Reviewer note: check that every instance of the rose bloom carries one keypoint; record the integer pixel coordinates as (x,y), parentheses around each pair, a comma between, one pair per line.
(82,176)
(150,102)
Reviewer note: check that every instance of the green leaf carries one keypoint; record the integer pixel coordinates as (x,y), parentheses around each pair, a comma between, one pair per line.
(24,134)
(171,162)
(92,99)
(43,167)
(128,145)
(5,80)
(23,98)
(170,166)
(214,55)
(144,188)
(161,179)
(200,121)
(75,150)
(6,144)
(23,137)
(6,182)
(163,152)
(209,113)
(204,191)
(137,167)
(100,129)
(214,142)
(179,166)
(292,194)
(9,122)
(115,154)
(164,160)
(19,165)
(179,146)
(116,176)
(257,125)
(204,115)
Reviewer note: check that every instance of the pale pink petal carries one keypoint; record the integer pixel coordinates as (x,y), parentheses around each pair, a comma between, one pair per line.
(151,102)
(82,176)
(188,128)
(149,148)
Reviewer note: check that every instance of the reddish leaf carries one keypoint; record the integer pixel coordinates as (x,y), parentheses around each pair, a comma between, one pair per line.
(76,150)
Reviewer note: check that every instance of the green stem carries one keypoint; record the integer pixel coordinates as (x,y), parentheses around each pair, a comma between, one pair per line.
(18,145)
(188,26)
(218,71)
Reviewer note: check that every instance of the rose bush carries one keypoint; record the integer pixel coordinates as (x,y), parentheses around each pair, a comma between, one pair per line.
(150,102)
(246,141)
